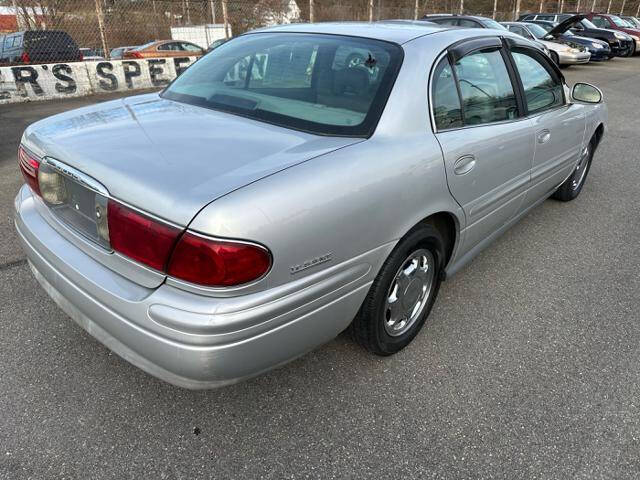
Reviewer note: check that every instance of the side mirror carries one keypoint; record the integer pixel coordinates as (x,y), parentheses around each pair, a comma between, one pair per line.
(586,93)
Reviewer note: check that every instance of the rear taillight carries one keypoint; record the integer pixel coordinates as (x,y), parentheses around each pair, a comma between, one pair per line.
(24,58)
(182,254)
(217,263)
(29,166)
(140,237)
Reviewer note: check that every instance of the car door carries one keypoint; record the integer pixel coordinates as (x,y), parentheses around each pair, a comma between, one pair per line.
(558,126)
(486,142)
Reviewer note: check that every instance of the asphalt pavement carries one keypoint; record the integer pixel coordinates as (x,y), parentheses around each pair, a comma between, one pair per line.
(529,366)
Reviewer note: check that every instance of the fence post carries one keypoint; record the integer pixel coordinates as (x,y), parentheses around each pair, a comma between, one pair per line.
(593,6)
(461,7)
(622,7)
(609,7)
(103,37)
(225,19)
(371,10)
(561,5)
(517,12)
(212,4)
(541,5)
(415,9)
(312,14)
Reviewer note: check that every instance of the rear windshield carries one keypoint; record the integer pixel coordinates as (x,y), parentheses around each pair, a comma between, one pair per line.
(323,84)
(537,30)
(489,23)
(49,40)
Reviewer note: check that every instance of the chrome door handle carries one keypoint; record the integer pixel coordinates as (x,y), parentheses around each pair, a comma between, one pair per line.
(544,136)
(464,164)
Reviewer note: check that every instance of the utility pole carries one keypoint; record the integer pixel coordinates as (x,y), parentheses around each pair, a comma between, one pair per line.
(225,18)
(103,36)
(312,13)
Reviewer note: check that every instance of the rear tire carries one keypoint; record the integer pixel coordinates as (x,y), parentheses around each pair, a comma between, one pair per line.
(555,58)
(572,186)
(403,293)
(632,50)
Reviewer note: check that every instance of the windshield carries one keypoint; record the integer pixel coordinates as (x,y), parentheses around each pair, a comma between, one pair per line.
(537,30)
(323,84)
(620,22)
(546,26)
(493,24)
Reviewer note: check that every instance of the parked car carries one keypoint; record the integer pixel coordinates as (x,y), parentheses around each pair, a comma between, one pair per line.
(91,54)
(244,216)
(118,53)
(472,21)
(598,49)
(613,22)
(38,46)
(217,43)
(634,21)
(165,48)
(621,44)
(466,21)
(562,53)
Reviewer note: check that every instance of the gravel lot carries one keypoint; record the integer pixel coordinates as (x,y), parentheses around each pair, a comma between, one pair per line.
(528,367)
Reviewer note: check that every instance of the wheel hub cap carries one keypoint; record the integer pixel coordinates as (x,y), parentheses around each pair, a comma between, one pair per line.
(409,292)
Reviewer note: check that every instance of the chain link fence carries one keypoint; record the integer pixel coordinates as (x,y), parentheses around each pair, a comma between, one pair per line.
(99,26)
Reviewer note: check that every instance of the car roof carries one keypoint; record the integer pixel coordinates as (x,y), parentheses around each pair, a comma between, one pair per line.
(391,31)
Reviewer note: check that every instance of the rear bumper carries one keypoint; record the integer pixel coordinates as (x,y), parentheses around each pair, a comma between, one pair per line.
(574,58)
(183,338)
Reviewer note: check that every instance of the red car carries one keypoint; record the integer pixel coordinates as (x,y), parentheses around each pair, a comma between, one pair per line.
(613,22)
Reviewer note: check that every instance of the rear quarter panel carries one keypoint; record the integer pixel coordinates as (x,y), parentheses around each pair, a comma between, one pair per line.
(359,199)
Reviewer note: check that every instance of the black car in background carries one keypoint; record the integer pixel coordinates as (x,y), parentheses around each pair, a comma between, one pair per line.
(466,21)
(621,44)
(599,49)
(38,46)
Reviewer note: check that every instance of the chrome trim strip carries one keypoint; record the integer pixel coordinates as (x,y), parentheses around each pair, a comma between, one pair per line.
(83,179)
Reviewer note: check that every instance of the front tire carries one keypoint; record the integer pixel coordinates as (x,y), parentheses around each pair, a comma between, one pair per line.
(555,58)
(403,293)
(572,186)
(632,50)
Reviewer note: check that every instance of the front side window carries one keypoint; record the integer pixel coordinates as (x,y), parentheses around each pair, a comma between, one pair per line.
(542,90)
(620,22)
(485,87)
(469,23)
(600,22)
(190,47)
(324,84)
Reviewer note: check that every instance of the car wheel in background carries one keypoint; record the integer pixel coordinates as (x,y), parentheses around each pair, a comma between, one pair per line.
(632,50)
(572,186)
(555,58)
(403,293)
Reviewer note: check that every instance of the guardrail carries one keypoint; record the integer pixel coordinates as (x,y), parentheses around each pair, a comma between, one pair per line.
(64,80)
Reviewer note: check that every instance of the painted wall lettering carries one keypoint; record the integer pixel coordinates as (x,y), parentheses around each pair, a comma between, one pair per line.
(156,72)
(26,76)
(131,70)
(59,80)
(108,81)
(63,72)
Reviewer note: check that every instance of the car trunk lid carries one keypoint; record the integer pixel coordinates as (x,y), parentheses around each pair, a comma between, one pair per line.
(171,159)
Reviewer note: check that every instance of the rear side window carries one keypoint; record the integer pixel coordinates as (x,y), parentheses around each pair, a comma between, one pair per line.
(485,87)
(542,90)
(446,102)
(190,47)
(446,21)
(600,22)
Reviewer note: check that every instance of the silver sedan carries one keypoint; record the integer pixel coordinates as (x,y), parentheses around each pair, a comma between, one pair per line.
(293,183)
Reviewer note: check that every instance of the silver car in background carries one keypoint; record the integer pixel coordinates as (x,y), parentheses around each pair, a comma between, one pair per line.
(295,182)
